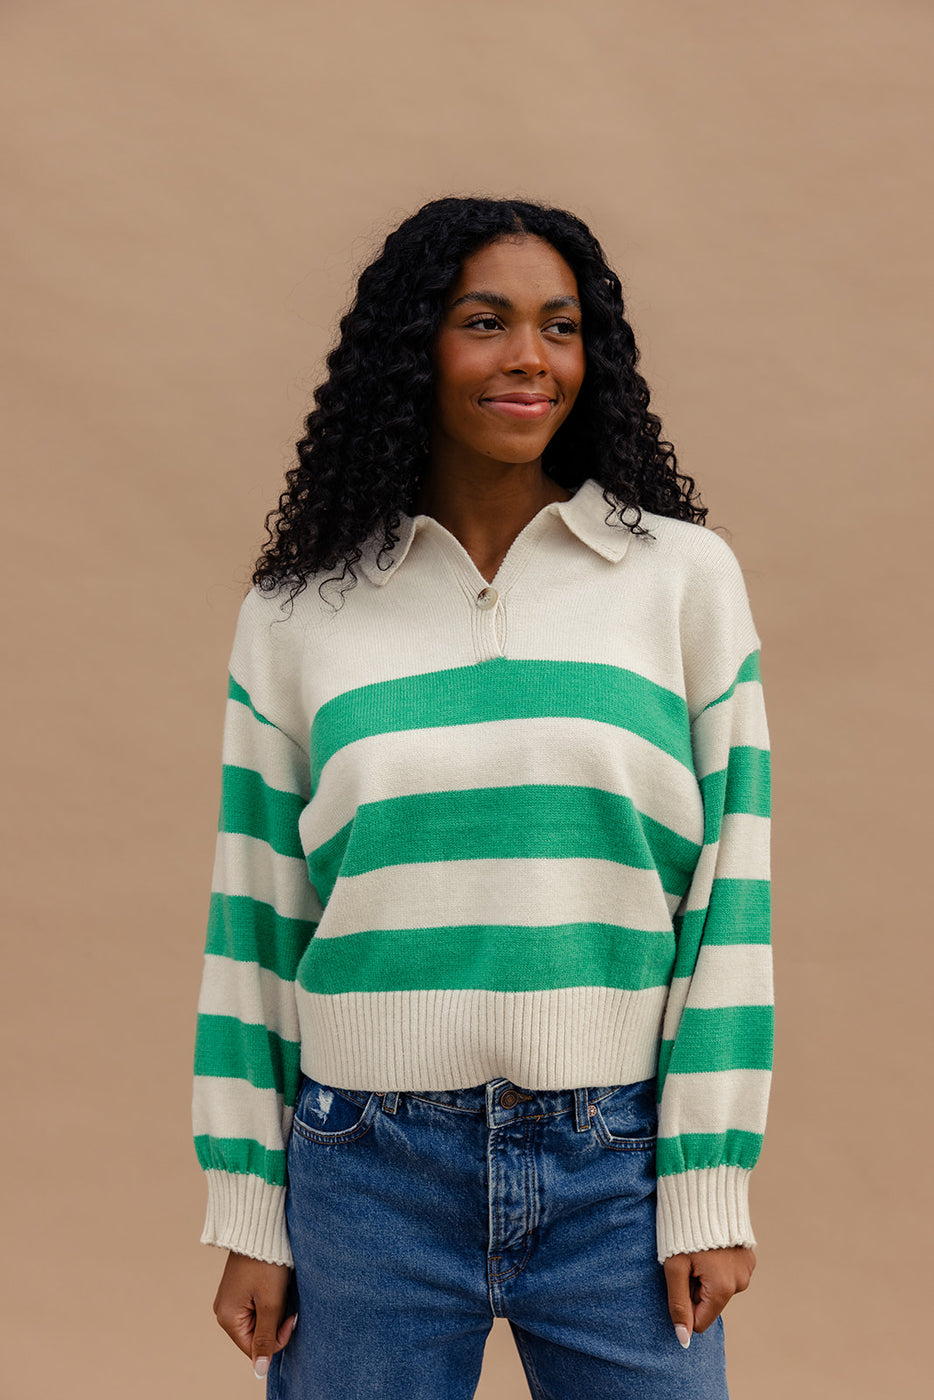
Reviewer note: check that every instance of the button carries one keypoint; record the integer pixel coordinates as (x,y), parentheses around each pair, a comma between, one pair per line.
(510,1097)
(487,598)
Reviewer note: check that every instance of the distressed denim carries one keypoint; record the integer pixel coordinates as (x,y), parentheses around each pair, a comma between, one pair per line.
(416,1218)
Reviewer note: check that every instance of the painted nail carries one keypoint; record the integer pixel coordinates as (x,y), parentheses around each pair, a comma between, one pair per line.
(261,1367)
(683,1335)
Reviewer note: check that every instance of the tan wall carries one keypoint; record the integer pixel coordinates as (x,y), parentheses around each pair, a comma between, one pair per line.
(189,189)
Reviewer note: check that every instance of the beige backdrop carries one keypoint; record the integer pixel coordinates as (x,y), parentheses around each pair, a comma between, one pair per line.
(190,187)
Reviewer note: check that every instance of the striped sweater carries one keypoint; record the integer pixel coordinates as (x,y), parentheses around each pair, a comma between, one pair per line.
(518,830)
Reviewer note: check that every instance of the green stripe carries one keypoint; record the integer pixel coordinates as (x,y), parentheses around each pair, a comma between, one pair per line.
(664,1056)
(748,781)
(505,958)
(745,785)
(748,671)
(230,1048)
(739,911)
(709,1039)
(526,821)
(250,807)
(696,1151)
(501,689)
(235,691)
(248,930)
(241,1156)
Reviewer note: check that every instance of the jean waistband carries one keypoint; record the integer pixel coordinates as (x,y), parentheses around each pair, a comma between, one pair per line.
(499,1100)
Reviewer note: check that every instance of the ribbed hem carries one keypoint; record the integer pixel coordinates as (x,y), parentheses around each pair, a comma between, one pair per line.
(454,1039)
(247,1215)
(706,1209)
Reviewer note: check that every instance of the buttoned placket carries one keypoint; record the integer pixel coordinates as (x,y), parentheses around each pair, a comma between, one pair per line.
(488,622)
(487,600)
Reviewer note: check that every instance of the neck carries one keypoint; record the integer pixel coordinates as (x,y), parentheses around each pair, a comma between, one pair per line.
(485,506)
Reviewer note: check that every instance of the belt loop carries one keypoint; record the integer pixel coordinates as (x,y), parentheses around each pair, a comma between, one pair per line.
(390,1100)
(581,1110)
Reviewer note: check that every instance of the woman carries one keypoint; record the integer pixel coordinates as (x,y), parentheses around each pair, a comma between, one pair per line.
(485,1021)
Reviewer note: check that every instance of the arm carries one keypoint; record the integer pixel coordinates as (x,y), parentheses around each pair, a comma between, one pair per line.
(263,912)
(716,1053)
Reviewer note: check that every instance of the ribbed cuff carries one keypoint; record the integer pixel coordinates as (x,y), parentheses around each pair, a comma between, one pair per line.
(247,1215)
(706,1209)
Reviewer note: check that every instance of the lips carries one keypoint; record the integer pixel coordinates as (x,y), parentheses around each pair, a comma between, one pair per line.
(518,398)
(519,405)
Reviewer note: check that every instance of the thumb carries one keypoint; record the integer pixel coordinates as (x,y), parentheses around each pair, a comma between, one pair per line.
(268,1336)
(680,1307)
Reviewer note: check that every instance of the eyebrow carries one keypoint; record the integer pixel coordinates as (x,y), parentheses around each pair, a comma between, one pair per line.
(504,304)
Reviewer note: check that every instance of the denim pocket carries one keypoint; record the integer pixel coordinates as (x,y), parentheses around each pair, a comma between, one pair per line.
(325,1116)
(627,1119)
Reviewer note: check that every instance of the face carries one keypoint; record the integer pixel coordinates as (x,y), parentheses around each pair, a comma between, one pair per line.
(509,354)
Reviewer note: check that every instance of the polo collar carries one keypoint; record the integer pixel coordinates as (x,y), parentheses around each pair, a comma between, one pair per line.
(584,514)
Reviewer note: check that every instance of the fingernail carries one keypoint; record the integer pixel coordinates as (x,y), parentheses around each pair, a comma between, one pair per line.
(683,1335)
(261,1367)
(294,1321)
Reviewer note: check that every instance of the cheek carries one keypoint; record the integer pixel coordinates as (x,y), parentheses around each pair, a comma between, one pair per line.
(576,368)
(451,357)
(574,390)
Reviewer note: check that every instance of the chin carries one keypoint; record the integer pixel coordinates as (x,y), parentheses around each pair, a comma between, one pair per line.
(519,447)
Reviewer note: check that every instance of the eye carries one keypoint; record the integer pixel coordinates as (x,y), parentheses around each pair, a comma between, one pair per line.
(486,321)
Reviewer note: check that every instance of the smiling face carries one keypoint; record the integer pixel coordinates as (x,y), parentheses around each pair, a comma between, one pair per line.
(509,355)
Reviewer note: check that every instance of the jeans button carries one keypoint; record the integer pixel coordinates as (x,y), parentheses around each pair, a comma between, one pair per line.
(510,1097)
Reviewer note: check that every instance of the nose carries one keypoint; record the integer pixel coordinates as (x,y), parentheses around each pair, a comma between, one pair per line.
(524,352)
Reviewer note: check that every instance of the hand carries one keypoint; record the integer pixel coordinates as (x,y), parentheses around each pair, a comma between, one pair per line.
(700,1286)
(249,1306)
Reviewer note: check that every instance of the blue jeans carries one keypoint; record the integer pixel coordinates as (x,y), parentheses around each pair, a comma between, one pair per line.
(416,1218)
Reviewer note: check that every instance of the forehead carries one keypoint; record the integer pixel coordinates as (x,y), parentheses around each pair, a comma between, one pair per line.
(522,265)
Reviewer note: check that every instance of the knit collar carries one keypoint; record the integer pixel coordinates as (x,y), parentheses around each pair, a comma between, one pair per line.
(584,514)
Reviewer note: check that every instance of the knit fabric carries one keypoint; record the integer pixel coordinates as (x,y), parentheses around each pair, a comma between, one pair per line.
(519,830)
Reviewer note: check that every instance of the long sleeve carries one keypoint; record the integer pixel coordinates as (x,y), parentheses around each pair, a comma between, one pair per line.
(716,1054)
(263,912)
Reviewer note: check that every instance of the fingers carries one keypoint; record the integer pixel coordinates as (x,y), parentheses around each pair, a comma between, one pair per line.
(720,1273)
(700,1286)
(269,1336)
(714,1294)
(681,1309)
(249,1306)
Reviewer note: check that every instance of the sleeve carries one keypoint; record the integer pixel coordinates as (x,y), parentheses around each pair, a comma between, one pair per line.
(263,912)
(716,1053)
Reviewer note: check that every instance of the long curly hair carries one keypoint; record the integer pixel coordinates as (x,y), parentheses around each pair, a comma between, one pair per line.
(366,442)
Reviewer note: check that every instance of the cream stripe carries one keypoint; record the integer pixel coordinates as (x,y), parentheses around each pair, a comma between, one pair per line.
(437,894)
(251,993)
(250,744)
(739,720)
(244,865)
(235,1108)
(714,1102)
(744,848)
(569,751)
(734,974)
(453,1039)
(742,853)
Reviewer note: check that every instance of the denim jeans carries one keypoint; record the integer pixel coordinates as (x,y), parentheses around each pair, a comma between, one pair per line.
(416,1218)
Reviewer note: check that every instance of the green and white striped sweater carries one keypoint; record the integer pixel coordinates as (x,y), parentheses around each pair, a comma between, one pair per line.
(518,830)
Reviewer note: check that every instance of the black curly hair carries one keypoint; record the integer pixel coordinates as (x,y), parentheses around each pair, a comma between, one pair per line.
(366,443)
